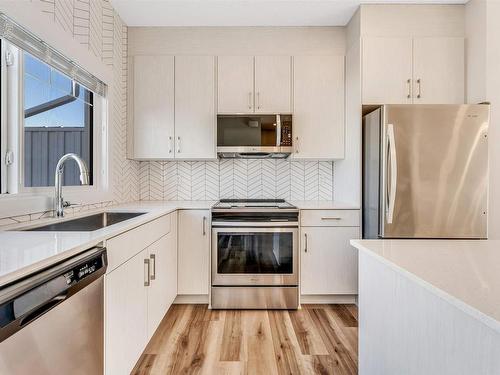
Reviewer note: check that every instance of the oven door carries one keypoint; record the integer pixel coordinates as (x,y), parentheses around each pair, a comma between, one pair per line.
(254,256)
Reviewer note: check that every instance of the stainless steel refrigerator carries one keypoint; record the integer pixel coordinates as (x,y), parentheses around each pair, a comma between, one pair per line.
(425,171)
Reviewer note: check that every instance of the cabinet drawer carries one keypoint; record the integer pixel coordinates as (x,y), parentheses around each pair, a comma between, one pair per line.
(126,245)
(329,218)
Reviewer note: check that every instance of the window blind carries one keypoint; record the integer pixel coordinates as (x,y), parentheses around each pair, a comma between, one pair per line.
(24,39)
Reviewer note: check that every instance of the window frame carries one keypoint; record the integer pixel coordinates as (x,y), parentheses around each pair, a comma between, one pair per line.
(12,127)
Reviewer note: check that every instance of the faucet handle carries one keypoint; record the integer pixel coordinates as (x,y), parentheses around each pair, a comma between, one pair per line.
(68,204)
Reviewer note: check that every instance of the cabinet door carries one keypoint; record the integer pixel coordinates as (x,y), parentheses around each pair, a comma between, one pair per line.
(125,315)
(195,107)
(329,264)
(318,122)
(438,70)
(235,84)
(193,252)
(153,107)
(387,70)
(273,84)
(163,268)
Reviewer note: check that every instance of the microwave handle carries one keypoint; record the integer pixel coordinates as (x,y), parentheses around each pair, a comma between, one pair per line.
(278,130)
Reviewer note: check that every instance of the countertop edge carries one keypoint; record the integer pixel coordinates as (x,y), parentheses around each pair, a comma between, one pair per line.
(463,306)
(156,211)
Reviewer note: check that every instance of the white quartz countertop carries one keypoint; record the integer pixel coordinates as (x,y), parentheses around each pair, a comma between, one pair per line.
(324,205)
(22,253)
(466,273)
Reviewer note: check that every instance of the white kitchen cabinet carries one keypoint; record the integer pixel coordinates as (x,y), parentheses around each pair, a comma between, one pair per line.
(139,289)
(163,268)
(428,70)
(126,309)
(387,70)
(329,265)
(273,84)
(318,122)
(195,107)
(235,84)
(153,106)
(439,72)
(193,252)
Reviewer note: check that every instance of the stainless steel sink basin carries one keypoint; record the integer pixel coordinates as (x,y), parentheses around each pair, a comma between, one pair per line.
(88,223)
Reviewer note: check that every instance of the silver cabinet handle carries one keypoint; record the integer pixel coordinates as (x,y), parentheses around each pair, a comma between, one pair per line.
(408,83)
(305,243)
(249,100)
(147,280)
(178,144)
(170,145)
(296,145)
(203,227)
(258,100)
(391,190)
(419,88)
(153,266)
(331,218)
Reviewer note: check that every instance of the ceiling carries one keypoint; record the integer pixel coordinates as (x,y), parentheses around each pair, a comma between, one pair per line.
(245,12)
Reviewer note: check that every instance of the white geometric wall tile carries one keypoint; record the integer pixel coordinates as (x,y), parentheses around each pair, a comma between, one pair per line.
(63,14)
(254,179)
(325,181)
(268,178)
(211,180)
(226,178)
(240,173)
(144,181)
(198,181)
(155,180)
(184,180)
(170,181)
(311,181)
(283,179)
(297,189)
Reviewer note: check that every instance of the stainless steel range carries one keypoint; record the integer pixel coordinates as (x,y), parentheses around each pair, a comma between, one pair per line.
(255,255)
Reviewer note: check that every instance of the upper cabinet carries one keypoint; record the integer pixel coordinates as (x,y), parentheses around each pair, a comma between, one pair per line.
(172,107)
(387,70)
(425,70)
(152,90)
(261,84)
(195,107)
(273,84)
(235,84)
(438,70)
(318,115)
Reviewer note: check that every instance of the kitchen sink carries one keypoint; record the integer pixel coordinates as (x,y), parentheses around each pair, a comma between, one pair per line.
(88,223)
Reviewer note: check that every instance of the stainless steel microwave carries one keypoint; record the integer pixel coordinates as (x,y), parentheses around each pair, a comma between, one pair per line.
(254,136)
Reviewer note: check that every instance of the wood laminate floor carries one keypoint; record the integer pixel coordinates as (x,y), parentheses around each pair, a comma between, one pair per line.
(318,339)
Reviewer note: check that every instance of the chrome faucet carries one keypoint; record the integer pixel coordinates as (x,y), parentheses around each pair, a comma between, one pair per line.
(59,203)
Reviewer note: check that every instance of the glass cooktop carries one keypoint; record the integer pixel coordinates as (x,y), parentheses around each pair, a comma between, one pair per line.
(253,203)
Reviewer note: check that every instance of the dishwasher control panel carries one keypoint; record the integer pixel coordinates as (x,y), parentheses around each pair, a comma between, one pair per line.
(83,270)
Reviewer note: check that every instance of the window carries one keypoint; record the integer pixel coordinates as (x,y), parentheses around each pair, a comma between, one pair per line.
(58,119)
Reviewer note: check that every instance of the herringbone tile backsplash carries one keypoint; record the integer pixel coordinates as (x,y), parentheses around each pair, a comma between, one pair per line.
(227,178)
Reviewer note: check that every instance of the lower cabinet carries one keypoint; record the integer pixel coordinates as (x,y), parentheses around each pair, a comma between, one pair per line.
(126,309)
(329,265)
(138,294)
(194,252)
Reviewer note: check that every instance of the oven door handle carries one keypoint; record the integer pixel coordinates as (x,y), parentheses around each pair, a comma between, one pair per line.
(269,224)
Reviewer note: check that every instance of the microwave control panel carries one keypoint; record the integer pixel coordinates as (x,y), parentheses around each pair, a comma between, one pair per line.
(286,133)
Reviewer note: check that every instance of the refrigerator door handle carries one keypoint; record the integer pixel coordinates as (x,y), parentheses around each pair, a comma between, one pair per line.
(393,168)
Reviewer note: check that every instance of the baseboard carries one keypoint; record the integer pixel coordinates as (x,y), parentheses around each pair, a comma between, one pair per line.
(191,299)
(328,298)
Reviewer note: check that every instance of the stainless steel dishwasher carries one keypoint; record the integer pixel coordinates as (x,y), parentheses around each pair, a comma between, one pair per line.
(52,322)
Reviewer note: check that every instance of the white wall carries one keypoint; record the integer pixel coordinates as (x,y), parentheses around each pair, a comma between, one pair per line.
(93,34)
(483,84)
